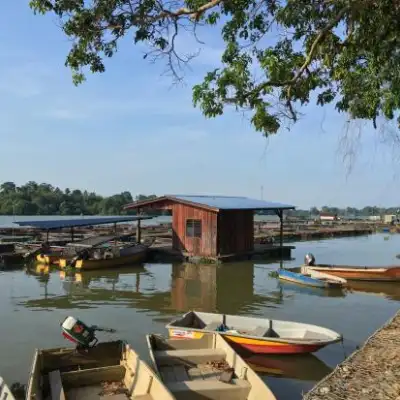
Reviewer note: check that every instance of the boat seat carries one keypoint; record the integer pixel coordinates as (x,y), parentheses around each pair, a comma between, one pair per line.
(56,387)
(196,356)
(259,331)
(212,326)
(239,389)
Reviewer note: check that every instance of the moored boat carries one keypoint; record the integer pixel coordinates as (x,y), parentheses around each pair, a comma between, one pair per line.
(207,368)
(109,370)
(258,335)
(359,273)
(96,258)
(308,278)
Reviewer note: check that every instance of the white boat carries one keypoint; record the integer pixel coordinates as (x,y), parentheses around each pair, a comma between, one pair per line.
(257,335)
(110,370)
(206,368)
(323,275)
(5,392)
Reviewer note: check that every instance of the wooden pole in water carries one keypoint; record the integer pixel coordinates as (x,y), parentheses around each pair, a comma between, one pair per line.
(138,230)
(72,234)
(280,214)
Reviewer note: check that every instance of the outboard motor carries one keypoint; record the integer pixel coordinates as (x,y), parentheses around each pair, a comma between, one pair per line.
(309,259)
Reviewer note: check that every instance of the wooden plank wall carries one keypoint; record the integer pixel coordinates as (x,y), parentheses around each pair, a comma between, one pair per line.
(204,246)
(235,231)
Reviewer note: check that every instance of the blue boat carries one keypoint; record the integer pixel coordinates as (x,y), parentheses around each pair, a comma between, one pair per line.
(323,281)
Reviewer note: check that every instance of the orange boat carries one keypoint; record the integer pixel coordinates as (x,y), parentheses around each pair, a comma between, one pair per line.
(361,273)
(257,335)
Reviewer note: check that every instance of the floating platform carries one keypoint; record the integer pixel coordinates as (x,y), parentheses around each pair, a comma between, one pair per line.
(165,253)
(370,373)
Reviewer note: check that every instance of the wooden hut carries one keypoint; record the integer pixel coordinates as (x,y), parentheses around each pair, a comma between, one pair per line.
(212,226)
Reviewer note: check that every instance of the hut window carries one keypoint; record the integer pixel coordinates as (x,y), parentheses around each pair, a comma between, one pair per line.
(193,228)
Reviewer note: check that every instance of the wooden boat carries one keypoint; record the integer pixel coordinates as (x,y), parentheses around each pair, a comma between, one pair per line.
(361,273)
(207,368)
(108,371)
(114,257)
(309,278)
(50,258)
(5,392)
(258,335)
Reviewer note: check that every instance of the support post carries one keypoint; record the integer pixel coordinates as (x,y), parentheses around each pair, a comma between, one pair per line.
(280,215)
(72,234)
(47,235)
(138,228)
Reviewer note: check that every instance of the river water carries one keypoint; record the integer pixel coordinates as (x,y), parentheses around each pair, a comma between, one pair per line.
(140,300)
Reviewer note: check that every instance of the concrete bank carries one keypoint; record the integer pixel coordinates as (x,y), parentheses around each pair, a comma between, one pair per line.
(370,373)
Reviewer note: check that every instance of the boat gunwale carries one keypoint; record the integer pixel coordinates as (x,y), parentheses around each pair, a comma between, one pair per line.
(354,268)
(319,283)
(262,338)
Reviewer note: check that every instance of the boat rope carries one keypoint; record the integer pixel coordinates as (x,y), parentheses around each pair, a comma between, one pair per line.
(344,350)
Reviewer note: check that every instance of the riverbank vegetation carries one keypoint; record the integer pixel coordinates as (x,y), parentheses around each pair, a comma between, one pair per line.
(44,199)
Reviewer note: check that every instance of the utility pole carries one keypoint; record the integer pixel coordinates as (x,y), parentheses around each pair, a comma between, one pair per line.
(262,192)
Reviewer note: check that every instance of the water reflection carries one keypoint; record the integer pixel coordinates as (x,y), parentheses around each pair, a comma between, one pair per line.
(389,290)
(293,288)
(227,288)
(302,367)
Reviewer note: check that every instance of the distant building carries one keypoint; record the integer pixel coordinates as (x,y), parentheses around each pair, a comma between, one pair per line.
(211,226)
(389,218)
(328,217)
(374,218)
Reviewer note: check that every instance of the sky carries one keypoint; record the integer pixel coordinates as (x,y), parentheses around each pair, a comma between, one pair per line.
(132,129)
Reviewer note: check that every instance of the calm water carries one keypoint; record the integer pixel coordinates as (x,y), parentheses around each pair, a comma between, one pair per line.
(140,300)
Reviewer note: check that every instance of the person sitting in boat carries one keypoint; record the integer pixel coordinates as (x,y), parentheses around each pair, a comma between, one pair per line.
(97,254)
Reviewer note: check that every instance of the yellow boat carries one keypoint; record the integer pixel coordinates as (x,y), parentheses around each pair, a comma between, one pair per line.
(116,257)
(48,259)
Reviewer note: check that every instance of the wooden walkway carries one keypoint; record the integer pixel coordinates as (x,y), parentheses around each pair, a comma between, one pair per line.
(370,373)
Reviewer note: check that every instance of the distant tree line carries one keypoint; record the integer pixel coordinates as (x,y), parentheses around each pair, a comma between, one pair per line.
(44,199)
(349,212)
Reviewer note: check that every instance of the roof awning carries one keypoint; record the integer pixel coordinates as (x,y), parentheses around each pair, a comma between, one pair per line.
(78,222)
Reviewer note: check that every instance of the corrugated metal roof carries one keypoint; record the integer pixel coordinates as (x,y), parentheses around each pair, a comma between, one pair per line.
(231,202)
(69,223)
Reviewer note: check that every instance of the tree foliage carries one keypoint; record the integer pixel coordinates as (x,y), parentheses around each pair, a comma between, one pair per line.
(44,199)
(279,54)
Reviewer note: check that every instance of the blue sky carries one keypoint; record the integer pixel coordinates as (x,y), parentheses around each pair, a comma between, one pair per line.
(128,129)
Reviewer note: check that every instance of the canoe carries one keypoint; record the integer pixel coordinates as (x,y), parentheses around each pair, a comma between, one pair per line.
(129,255)
(323,281)
(109,370)
(257,335)
(5,392)
(207,368)
(362,273)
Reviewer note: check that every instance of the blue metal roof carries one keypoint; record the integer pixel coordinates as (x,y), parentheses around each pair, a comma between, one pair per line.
(231,202)
(69,223)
